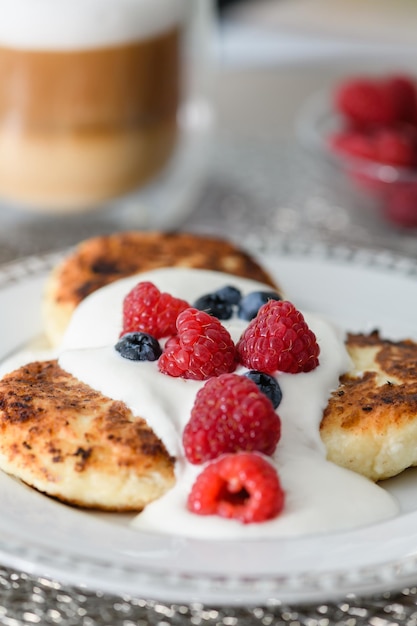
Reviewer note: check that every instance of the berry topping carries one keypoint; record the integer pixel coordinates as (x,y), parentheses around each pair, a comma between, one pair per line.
(278,339)
(219,303)
(214,305)
(202,348)
(242,486)
(148,310)
(268,385)
(139,347)
(230,414)
(250,304)
(230,294)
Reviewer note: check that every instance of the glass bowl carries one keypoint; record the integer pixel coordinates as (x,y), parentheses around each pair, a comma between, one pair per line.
(388,191)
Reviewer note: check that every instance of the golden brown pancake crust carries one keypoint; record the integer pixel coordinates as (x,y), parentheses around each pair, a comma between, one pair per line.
(62,437)
(104,259)
(370,423)
(101,260)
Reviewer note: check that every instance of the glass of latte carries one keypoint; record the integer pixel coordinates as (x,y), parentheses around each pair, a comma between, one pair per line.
(96,100)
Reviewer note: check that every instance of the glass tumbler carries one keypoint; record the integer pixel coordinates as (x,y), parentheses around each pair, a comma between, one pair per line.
(103,103)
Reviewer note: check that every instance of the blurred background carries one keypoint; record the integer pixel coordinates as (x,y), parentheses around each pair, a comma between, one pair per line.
(276,58)
(268,172)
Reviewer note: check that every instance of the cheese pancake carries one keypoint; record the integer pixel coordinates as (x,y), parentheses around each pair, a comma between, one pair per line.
(101,260)
(71,442)
(370,423)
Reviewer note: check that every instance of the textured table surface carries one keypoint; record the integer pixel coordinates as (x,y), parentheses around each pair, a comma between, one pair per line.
(259,186)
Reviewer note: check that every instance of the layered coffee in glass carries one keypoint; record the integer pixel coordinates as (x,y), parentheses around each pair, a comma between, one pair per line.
(90,98)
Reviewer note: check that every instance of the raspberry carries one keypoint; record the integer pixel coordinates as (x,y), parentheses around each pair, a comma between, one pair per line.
(148,310)
(242,486)
(365,102)
(278,338)
(394,147)
(384,145)
(403,93)
(202,348)
(354,144)
(230,413)
(401,206)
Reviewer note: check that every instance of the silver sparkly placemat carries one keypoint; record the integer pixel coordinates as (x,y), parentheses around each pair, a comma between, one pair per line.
(27,600)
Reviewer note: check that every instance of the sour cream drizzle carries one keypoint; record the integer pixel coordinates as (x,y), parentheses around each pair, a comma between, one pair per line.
(320,497)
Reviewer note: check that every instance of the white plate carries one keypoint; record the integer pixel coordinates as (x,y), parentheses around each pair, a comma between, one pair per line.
(361,291)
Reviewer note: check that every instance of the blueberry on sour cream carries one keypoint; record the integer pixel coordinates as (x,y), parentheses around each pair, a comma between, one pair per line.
(268,385)
(139,347)
(252,302)
(219,303)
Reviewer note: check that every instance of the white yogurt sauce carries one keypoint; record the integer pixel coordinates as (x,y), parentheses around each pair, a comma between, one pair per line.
(83,24)
(320,496)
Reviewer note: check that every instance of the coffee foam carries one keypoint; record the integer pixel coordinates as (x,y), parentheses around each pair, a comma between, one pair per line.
(81,24)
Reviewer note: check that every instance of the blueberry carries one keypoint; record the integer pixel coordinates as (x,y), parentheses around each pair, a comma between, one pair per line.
(139,347)
(250,304)
(268,385)
(219,303)
(230,294)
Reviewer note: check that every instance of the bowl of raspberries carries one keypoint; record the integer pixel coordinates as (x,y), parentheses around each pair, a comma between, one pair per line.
(367,128)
